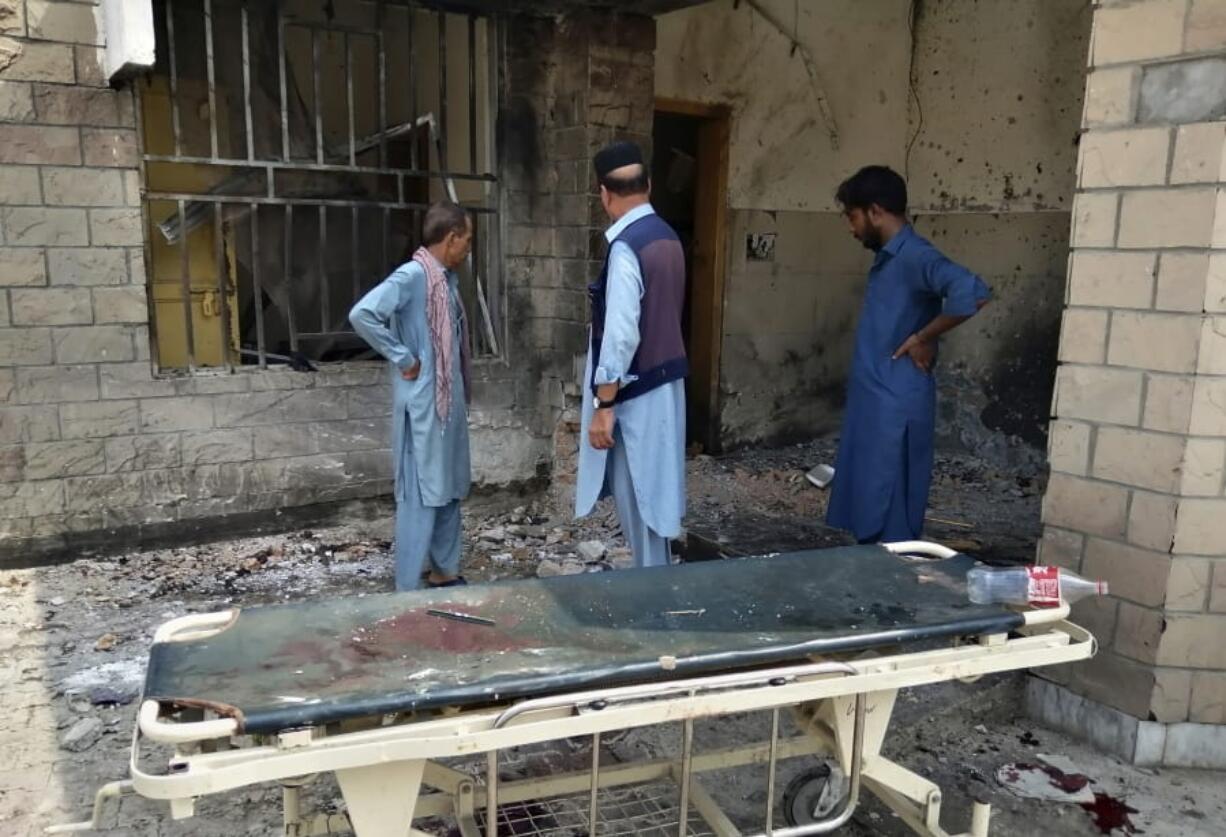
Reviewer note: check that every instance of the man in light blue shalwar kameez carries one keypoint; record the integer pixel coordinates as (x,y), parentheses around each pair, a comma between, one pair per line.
(415,319)
(914,295)
(632,443)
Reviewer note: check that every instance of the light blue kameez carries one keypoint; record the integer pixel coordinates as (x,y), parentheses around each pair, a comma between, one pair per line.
(431,459)
(645,470)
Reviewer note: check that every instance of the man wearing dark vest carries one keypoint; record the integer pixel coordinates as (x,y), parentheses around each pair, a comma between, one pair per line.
(632,444)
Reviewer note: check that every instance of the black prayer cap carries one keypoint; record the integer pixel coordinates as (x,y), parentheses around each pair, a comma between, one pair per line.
(615,155)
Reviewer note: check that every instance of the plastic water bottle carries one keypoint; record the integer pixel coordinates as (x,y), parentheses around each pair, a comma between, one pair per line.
(1034,585)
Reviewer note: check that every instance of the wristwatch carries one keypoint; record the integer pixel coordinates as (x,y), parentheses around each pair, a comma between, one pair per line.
(602,405)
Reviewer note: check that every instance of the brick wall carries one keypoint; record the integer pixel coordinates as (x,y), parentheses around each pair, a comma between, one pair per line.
(1138,448)
(96,450)
(577,84)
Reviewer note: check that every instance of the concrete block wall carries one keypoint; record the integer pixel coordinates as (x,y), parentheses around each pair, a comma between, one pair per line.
(97,450)
(1138,446)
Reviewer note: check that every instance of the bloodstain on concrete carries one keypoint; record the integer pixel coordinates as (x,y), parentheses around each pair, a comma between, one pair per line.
(1110,814)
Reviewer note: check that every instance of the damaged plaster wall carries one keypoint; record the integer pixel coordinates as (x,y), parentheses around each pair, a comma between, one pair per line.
(993,131)
(793,314)
(97,451)
(979,108)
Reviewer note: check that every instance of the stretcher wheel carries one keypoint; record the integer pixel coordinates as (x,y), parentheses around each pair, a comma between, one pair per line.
(814,795)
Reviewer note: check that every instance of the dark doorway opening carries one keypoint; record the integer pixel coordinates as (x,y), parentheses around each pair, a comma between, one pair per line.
(689,190)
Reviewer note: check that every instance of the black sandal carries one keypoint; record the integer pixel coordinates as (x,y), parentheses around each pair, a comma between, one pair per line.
(458,581)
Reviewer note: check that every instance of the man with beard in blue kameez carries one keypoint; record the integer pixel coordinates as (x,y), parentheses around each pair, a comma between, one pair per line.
(914,295)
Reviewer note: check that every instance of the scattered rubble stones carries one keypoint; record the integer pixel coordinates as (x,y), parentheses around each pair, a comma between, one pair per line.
(83,735)
(592,551)
(85,698)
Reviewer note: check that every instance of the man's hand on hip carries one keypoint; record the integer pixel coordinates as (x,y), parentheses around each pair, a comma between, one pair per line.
(922,352)
(600,431)
(412,372)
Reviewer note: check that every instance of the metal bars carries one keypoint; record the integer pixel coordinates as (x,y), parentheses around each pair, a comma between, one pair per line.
(353,152)
(223,272)
(442,90)
(176,127)
(278,135)
(246,27)
(212,71)
(318,100)
(257,285)
(185,279)
(340,168)
(472,94)
(325,312)
(380,21)
(289,276)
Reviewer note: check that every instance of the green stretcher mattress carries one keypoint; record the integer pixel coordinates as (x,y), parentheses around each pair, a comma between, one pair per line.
(286,666)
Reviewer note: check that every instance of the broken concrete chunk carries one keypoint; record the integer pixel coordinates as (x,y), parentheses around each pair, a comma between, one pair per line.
(495,535)
(106,642)
(83,735)
(592,550)
(621,558)
(549,567)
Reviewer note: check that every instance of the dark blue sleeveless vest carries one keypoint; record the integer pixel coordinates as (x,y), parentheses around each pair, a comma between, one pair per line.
(660,358)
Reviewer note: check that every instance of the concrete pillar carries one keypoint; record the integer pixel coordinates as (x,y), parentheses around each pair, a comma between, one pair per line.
(1138,443)
(575,83)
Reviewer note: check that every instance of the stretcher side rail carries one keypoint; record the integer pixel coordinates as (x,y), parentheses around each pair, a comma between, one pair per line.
(650,691)
(473,732)
(181,733)
(386,755)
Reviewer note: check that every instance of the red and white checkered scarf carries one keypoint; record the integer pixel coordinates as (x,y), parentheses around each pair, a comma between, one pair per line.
(442,333)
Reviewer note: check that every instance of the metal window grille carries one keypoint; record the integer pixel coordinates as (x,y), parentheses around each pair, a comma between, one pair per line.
(289,152)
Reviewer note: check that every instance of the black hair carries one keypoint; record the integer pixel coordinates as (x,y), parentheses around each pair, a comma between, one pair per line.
(878,185)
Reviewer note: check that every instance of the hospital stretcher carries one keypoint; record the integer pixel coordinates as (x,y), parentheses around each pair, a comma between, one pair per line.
(384,690)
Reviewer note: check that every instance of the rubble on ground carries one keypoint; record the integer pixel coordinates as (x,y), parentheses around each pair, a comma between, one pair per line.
(74,638)
(84,734)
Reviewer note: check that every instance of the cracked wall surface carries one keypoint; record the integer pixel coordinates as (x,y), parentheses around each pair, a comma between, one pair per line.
(980,111)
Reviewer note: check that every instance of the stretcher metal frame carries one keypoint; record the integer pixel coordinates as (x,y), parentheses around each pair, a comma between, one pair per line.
(841,706)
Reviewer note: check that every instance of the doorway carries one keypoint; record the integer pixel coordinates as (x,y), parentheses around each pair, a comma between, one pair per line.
(689,174)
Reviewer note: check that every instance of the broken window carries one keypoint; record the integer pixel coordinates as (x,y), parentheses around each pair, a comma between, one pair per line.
(290,150)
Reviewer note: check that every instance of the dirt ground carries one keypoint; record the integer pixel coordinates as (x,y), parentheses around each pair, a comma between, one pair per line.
(74,639)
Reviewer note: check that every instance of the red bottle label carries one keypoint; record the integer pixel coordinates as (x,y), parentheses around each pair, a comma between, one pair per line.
(1043,586)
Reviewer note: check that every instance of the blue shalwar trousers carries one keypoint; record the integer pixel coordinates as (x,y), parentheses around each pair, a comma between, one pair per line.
(650,549)
(423,532)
